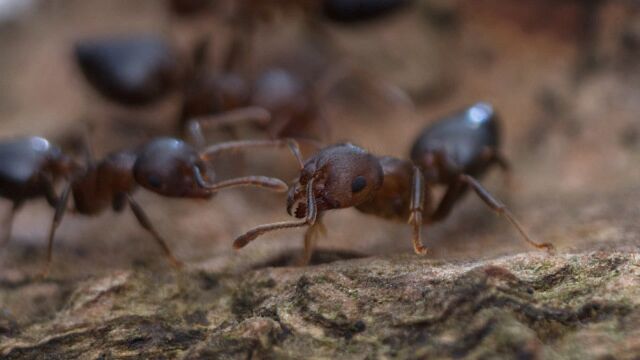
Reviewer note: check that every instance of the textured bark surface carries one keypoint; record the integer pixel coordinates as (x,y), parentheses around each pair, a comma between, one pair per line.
(582,306)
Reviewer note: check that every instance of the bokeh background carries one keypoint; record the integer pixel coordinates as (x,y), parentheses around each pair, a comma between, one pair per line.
(563,75)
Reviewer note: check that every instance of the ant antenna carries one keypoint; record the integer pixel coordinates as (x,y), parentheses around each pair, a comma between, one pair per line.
(264,182)
(310,220)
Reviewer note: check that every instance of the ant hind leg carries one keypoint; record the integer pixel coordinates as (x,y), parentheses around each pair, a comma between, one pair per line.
(497,206)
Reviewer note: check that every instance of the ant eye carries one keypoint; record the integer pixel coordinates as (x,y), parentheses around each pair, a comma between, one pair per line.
(154,181)
(358,184)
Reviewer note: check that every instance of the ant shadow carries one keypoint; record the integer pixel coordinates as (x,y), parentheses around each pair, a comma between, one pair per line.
(290,258)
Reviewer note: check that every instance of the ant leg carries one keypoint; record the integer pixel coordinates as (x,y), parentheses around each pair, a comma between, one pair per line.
(252,114)
(310,238)
(497,206)
(213,150)
(310,219)
(61,208)
(86,145)
(498,158)
(8,223)
(144,221)
(265,182)
(416,208)
(452,195)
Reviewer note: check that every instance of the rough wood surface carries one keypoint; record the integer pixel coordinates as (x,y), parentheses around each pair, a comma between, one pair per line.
(581,306)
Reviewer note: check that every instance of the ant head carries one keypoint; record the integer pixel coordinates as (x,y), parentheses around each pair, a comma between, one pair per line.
(167,166)
(343,175)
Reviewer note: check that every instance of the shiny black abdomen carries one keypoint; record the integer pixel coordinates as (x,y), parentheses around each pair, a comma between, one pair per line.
(464,137)
(23,164)
(131,71)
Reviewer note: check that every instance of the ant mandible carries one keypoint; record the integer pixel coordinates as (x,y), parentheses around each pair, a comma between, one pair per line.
(452,152)
(166,166)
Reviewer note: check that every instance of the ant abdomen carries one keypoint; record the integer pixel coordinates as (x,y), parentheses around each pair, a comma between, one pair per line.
(137,70)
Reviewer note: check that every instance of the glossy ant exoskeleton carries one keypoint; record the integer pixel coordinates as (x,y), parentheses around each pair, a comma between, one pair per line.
(29,169)
(451,152)
(133,70)
(166,166)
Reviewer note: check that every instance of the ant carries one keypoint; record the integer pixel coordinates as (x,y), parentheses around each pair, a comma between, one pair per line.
(279,103)
(166,166)
(453,152)
(352,11)
(132,71)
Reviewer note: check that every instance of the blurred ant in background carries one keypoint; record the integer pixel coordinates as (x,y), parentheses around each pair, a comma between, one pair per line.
(130,70)
(167,166)
(452,152)
(139,71)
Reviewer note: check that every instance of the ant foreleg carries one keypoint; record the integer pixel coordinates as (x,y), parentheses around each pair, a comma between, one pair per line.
(497,206)
(61,208)
(310,220)
(310,238)
(144,221)
(251,114)
(416,208)
(8,223)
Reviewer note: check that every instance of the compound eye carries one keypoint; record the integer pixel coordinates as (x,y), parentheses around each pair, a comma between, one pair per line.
(358,184)
(154,181)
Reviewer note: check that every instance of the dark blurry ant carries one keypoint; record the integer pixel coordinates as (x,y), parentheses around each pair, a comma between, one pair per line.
(166,166)
(29,169)
(278,103)
(352,11)
(131,70)
(452,152)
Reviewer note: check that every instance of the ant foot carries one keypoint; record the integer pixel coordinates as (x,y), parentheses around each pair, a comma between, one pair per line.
(43,274)
(175,263)
(420,250)
(548,247)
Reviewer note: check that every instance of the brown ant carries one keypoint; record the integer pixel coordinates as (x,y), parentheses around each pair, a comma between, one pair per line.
(166,166)
(452,152)
(276,100)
